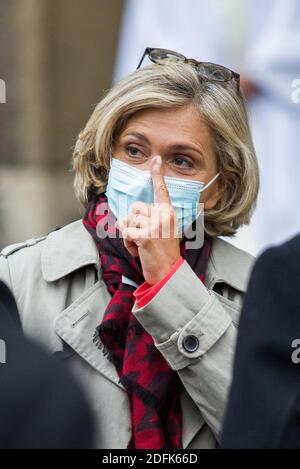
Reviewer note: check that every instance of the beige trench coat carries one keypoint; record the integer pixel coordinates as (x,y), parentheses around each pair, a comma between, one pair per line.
(61,296)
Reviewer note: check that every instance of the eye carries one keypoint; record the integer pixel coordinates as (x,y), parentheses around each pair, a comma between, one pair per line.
(132,151)
(182,162)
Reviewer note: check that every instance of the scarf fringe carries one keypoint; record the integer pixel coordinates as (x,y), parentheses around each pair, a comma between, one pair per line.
(146,396)
(118,331)
(99,344)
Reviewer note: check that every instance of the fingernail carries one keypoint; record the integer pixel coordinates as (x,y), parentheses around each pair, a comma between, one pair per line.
(157,160)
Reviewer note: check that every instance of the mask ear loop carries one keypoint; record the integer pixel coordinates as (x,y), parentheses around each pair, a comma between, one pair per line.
(210,182)
(207,185)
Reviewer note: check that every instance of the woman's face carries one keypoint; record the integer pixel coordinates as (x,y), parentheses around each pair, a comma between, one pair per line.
(182,140)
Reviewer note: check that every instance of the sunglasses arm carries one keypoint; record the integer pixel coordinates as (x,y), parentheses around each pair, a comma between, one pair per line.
(147,50)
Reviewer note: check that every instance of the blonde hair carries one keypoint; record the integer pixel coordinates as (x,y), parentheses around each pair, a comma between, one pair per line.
(168,86)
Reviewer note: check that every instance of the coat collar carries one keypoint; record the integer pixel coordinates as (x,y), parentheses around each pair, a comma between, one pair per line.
(72,247)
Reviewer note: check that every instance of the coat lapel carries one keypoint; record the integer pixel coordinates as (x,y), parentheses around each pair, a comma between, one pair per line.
(77,324)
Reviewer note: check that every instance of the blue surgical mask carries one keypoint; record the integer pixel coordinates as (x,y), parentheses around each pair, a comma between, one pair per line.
(127,184)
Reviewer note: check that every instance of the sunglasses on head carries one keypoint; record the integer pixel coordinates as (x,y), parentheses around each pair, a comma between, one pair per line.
(207,70)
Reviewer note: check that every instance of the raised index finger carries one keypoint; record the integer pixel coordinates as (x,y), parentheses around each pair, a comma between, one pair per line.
(160,190)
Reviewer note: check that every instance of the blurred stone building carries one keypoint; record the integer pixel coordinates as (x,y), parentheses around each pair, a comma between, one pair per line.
(56,59)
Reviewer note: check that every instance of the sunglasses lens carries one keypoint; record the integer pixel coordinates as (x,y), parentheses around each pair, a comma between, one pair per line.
(214,72)
(162,56)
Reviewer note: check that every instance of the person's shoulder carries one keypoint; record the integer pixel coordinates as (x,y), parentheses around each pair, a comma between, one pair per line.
(33,246)
(232,255)
(281,258)
(50,257)
(290,247)
(30,246)
(231,264)
(20,262)
(230,250)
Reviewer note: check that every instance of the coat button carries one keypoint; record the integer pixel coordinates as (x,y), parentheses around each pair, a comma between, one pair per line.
(190,343)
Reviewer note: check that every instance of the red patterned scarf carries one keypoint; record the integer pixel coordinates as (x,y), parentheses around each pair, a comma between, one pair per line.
(153,388)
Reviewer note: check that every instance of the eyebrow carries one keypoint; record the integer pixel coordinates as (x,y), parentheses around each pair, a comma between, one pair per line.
(139,136)
(176,146)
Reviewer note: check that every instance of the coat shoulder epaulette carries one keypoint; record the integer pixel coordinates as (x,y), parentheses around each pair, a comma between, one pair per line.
(12,248)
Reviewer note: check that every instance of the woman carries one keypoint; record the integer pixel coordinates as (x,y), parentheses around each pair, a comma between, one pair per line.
(148,321)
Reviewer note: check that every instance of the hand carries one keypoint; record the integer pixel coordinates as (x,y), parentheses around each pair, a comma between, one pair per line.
(154,235)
